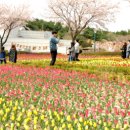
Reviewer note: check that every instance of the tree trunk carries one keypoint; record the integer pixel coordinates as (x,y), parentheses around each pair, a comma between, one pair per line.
(0,45)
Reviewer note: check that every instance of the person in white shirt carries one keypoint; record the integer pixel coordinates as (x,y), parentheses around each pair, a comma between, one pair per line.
(128,50)
(77,49)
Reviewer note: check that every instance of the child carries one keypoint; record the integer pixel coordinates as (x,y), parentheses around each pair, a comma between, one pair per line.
(3,55)
(72,52)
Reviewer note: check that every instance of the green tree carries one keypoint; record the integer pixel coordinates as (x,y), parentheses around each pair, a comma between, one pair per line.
(100,35)
(122,33)
(38,25)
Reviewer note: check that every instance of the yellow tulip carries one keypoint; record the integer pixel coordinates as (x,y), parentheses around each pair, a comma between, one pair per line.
(79,125)
(60,128)
(16,103)
(26,120)
(21,103)
(75,116)
(42,117)
(125,126)
(4,117)
(68,118)
(15,108)
(106,128)
(100,122)
(55,113)
(58,117)
(62,120)
(79,128)
(85,123)
(26,127)
(23,110)
(1,128)
(46,123)
(91,123)
(20,114)
(12,126)
(50,113)
(19,118)
(35,127)
(7,125)
(4,106)
(29,113)
(35,120)
(12,117)
(105,124)
(51,117)
(69,125)
(35,112)
(11,103)
(55,128)
(81,119)
(86,127)
(61,113)
(1,100)
(94,124)
(117,126)
(1,112)
(63,125)
(18,124)
(76,121)
(7,110)
(53,123)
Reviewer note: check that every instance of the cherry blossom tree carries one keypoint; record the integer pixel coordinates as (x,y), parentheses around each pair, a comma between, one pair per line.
(10,18)
(79,14)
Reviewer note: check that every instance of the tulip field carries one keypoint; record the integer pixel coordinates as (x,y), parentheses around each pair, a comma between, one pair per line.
(90,94)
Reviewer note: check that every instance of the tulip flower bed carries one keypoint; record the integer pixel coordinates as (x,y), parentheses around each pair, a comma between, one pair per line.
(114,68)
(30,56)
(36,98)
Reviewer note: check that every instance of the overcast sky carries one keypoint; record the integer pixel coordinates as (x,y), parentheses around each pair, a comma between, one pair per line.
(39,8)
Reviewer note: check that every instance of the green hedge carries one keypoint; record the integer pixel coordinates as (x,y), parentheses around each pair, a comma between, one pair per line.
(102,53)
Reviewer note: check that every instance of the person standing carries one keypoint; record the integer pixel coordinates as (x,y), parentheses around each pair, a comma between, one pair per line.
(128,50)
(53,47)
(13,54)
(124,48)
(3,55)
(77,50)
(72,52)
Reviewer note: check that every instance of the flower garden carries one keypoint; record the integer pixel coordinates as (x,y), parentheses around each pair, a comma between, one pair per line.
(91,94)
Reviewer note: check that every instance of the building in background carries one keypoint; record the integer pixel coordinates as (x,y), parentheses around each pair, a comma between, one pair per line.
(33,41)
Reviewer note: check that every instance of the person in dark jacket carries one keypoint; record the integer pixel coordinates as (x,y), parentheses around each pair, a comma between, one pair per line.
(3,55)
(53,47)
(13,54)
(124,49)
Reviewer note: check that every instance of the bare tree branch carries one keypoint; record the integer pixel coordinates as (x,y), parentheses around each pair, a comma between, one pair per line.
(78,14)
(10,18)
